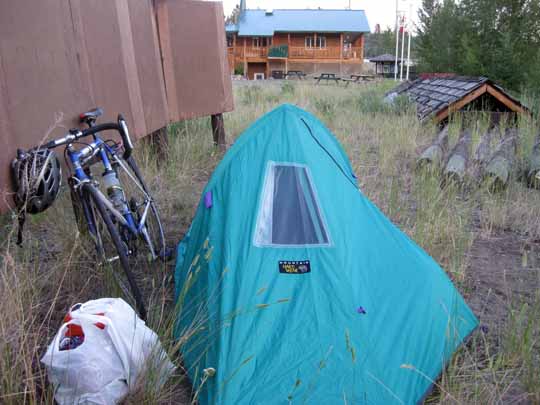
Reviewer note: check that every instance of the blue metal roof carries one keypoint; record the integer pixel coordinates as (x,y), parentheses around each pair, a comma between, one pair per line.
(231,28)
(261,23)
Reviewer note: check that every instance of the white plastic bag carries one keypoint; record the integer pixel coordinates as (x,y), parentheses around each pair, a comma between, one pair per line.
(117,347)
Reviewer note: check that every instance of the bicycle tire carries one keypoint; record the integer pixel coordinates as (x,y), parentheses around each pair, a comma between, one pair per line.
(90,193)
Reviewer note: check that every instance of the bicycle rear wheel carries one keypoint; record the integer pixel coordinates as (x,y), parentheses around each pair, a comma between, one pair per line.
(110,247)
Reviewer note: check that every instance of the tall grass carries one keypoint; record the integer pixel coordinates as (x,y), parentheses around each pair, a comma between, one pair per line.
(56,267)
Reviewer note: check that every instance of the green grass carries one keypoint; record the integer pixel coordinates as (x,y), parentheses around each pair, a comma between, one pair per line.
(56,268)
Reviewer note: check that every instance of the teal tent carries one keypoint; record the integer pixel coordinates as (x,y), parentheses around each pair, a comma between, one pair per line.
(292,287)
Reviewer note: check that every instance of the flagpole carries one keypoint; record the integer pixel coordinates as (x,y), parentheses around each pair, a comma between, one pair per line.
(410,38)
(397,41)
(402,49)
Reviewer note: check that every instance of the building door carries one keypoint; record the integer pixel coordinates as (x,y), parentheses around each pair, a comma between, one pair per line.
(256,68)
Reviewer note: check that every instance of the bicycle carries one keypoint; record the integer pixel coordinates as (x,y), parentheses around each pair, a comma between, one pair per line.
(116,223)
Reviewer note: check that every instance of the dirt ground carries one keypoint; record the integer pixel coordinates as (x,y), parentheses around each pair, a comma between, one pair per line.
(503,273)
(502,268)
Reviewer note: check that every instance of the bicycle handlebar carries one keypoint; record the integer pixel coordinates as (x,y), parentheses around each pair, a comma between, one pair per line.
(76,134)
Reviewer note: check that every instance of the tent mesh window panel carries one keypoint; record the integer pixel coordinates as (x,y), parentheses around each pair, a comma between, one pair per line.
(289,214)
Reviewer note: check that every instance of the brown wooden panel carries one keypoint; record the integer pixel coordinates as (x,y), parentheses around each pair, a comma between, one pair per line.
(110,51)
(40,78)
(148,62)
(197,77)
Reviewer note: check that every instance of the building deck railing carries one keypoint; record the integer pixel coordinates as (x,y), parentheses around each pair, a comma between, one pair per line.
(295,52)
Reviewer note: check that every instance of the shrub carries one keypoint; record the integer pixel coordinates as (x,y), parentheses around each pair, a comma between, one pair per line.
(239,70)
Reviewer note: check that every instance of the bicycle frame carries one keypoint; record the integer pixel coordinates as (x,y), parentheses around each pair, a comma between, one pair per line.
(79,160)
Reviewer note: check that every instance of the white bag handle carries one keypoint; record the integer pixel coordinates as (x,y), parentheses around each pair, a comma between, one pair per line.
(56,342)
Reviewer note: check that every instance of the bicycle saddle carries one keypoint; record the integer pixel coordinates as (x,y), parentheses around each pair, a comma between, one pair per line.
(91,116)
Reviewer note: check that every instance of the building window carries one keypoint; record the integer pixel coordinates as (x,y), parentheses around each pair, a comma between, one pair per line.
(261,42)
(315,42)
(230,41)
(289,212)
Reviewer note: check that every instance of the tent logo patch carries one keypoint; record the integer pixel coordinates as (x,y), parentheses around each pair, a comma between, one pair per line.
(294,266)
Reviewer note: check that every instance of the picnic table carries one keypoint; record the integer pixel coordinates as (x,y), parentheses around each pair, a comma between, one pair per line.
(359,78)
(278,74)
(298,73)
(363,78)
(327,77)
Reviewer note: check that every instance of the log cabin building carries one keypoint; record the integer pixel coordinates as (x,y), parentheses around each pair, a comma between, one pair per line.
(266,43)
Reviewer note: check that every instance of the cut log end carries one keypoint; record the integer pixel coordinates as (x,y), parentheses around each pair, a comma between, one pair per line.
(533,179)
(433,155)
(456,168)
(533,172)
(499,168)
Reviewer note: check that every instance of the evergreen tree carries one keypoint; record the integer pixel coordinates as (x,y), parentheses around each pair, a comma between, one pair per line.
(233,17)
(495,38)
(379,44)
(425,45)
(439,36)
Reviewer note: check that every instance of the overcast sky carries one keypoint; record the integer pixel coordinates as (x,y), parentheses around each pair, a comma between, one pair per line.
(381,12)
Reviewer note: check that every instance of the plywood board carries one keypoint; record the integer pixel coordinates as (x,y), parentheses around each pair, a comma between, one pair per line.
(197,77)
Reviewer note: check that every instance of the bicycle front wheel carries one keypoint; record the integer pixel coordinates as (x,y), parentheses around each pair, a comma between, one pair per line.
(110,247)
(143,206)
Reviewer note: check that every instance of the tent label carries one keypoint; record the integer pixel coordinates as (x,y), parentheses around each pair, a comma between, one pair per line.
(294,266)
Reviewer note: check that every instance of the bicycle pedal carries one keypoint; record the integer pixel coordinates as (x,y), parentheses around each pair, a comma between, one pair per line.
(113,259)
(166,254)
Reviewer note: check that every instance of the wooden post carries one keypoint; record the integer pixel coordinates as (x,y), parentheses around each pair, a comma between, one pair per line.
(245,60)
(288,53)
(218,131)
(341,54)
(234,51)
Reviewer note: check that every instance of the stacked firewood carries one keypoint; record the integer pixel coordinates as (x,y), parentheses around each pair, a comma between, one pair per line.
(493,162)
